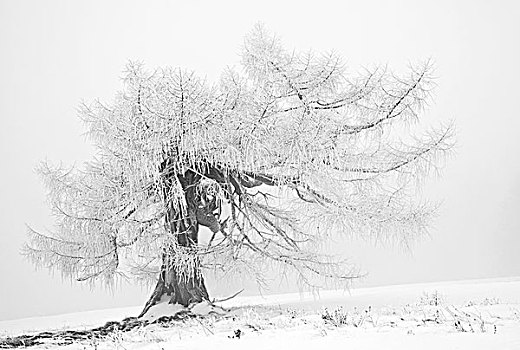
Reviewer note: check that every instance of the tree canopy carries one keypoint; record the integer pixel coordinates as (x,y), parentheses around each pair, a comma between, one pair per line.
(274,159)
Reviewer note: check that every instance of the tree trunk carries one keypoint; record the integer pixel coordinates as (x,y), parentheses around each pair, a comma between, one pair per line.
(181,287)
(177,288)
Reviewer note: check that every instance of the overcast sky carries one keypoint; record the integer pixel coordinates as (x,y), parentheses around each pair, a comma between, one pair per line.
(54,54)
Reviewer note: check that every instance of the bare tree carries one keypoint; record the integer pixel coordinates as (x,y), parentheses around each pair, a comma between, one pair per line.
(273,161)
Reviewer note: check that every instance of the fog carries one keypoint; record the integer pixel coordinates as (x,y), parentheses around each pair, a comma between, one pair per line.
(54,54)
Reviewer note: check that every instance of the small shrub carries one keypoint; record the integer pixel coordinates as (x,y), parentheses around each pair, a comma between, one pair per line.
(337,317)
(433,299)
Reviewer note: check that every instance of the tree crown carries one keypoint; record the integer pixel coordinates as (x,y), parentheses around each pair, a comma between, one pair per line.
(272,160)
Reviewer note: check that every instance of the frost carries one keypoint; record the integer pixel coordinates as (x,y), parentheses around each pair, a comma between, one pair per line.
(273,160)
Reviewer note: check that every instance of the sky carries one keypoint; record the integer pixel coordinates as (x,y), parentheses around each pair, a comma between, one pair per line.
(55,54)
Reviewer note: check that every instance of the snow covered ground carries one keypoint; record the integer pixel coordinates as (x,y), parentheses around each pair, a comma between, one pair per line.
(474,314)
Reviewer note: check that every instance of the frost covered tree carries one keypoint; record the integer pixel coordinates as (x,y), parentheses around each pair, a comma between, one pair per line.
(259,171)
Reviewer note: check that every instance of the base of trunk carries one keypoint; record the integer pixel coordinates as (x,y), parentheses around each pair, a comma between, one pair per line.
(177,289)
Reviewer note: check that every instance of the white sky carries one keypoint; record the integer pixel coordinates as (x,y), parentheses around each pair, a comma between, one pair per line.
(53,54)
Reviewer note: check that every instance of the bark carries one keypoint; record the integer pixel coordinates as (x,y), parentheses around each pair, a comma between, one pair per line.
(181,287)
(177,288)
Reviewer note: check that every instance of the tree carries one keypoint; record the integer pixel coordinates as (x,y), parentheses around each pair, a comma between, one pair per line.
(273,161)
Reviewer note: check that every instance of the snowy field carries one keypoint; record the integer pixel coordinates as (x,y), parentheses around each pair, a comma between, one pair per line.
(475,314)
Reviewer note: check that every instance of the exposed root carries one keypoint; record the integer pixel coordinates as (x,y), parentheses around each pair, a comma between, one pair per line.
(68,337)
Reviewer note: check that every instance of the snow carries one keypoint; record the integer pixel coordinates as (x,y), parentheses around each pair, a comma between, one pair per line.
(166,309)
(82,320)
(163,309)
(414,316)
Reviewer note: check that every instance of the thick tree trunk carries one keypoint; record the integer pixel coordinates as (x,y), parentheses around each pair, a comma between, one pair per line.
(176,288)
(180,287)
